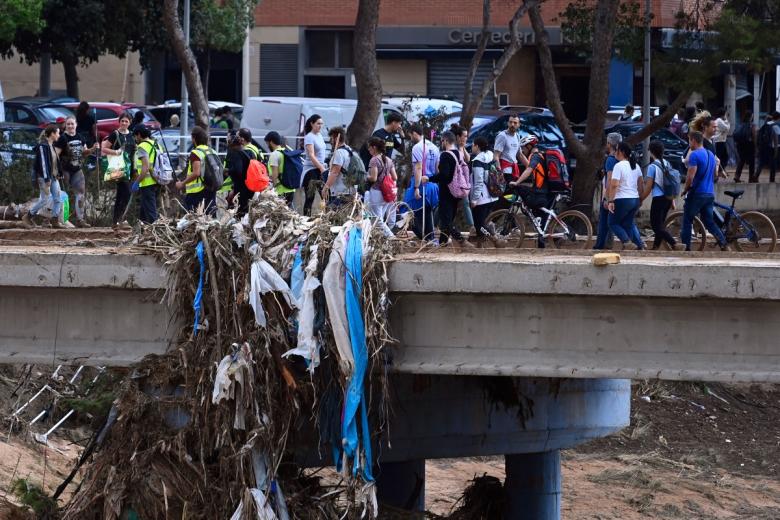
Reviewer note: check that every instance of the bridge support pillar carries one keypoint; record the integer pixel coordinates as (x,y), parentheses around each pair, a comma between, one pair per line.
(402,484)
(533,486)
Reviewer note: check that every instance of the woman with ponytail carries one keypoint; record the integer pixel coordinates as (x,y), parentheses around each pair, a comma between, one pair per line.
(623,197)
(379,167)
(314,159)
(47,175)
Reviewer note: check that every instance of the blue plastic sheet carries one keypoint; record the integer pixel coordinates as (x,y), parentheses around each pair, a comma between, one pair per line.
(297,277)
(197,304)
(355,399)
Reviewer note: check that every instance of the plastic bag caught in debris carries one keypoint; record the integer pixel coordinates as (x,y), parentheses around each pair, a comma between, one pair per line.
(264,279)
(234,370)
(261,505)
(334,284)
(308,347)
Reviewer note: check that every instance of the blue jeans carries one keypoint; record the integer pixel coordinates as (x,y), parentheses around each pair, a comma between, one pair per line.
(603,234)
(701,205)
(621,222)
(48,190)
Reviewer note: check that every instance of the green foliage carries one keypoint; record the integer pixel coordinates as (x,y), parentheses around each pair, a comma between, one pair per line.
(746,36)
(221,25)
(33,496)
(20,14)
(579,18)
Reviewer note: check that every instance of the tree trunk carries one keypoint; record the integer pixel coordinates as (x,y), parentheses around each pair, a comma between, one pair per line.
(71,76)
(471,100)
(585,180)
(369,87)
(187,61)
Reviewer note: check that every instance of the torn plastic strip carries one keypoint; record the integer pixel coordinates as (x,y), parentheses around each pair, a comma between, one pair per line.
(197,303)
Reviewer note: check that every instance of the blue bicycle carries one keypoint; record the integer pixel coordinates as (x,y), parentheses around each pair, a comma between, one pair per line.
(751,231)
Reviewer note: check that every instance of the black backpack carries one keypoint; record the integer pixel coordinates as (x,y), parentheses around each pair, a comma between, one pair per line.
(765,136)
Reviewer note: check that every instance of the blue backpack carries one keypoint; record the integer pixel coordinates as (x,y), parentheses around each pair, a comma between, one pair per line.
(671,180)
(292,168)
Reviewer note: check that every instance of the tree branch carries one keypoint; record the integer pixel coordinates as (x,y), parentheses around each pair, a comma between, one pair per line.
(661,121)
(186,58)
(515,45)
(470,108)
(550,84)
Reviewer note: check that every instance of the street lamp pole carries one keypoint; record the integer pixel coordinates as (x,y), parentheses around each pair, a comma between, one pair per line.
(646,78)
(185,96)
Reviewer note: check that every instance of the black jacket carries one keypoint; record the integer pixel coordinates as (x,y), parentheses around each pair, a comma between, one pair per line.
(43,167)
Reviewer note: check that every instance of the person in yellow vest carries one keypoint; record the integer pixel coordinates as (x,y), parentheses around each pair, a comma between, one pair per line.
(195,192)
(145,154)
(245,135)
(276,166)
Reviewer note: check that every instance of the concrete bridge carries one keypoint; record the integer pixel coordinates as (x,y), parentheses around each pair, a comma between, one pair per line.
(547,330)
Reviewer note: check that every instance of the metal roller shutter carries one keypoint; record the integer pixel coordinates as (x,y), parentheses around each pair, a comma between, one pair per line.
(278,70)
(446,77)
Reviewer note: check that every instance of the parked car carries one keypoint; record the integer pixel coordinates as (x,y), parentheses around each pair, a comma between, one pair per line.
(287,115)
(413,106)
(107,115)
(538,121)
(614,113)
(17,141)
(164,112)
(60,99)
(674,147)
(480,120)
(32,113)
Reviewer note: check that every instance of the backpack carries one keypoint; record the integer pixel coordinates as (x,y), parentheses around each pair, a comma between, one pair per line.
(460,186)
(162,171)
(355,174)
(671,180)
(257,178)
(386,184)
(744,134)
(765,136)
(214,171)
(292,170)
(556,172)
(494,179)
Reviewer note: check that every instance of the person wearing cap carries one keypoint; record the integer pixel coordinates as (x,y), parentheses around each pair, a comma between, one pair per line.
(276,164)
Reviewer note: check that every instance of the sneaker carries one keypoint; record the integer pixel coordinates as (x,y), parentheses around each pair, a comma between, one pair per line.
(41,221)
(56,224)
(27,221)
(725,247)
(464,244)
(618,246)
(125,226)
(499,243)
(81,223)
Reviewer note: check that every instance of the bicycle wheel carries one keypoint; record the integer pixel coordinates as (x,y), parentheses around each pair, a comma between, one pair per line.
(571,230)
(754,233)
(698,236)
(506,225)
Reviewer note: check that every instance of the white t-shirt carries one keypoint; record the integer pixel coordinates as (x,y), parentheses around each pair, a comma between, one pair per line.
(431,157)
(627,188)
(508,146)
(341,157)
(320,151)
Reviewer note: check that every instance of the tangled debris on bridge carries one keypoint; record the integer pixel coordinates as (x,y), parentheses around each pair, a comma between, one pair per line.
(212,428)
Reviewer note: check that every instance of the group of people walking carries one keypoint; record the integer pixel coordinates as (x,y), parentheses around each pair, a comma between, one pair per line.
(625,188)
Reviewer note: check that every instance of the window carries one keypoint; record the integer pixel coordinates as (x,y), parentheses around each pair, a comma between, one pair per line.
(22,115)
(105,113)
(329,49)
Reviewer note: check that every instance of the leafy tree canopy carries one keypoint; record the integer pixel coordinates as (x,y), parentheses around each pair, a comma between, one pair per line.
(19,14)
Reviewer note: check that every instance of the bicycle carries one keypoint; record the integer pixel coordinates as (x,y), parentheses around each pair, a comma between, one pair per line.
(749,231)
(571,229)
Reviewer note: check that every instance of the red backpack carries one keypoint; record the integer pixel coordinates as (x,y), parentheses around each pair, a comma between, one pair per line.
(556,171)
(256,176)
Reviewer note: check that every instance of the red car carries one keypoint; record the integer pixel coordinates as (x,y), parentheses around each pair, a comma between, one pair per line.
(107,115)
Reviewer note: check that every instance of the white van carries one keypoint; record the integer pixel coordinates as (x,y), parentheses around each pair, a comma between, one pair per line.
(288,115)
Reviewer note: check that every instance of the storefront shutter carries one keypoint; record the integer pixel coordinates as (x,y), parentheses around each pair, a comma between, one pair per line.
(278,70)
(446,78)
